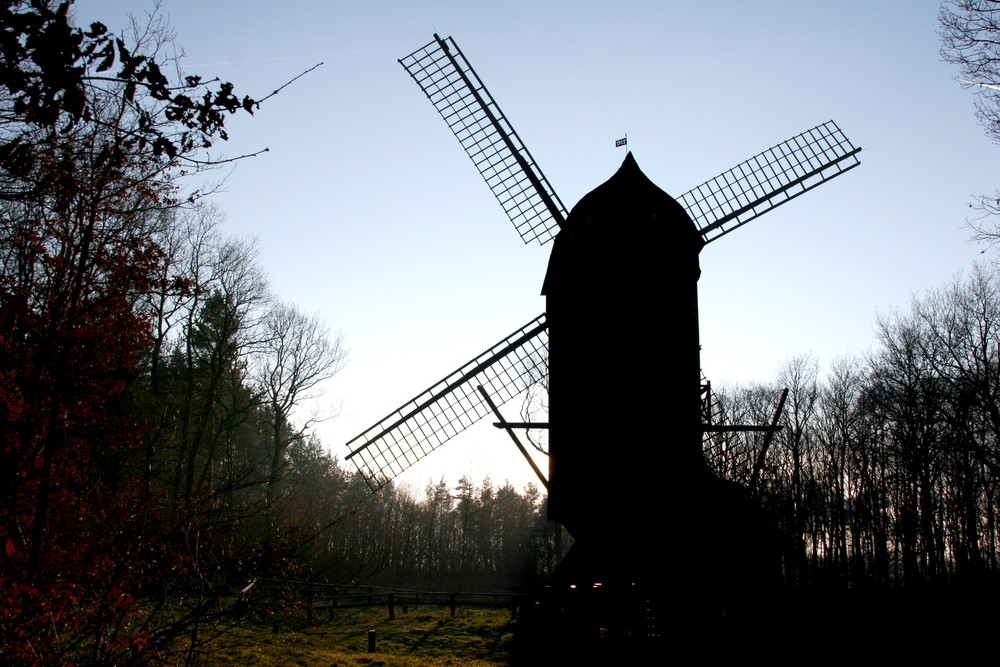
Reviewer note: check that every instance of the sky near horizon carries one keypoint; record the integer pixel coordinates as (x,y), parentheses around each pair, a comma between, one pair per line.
(368,212)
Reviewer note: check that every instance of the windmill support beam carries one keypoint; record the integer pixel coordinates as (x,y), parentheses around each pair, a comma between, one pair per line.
(513,436)
(524,425)
(732,428)
(759,464)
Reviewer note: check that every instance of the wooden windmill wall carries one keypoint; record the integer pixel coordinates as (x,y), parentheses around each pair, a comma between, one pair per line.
(624,363)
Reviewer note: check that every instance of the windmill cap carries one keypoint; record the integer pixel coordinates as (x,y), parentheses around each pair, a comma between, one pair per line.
(625,226)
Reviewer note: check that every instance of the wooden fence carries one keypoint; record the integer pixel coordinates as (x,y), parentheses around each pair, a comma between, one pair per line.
(316,597)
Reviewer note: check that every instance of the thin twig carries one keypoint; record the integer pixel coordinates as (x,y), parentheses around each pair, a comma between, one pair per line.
(285,85)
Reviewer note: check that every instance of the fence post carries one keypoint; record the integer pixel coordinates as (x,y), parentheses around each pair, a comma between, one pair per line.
(309,608)
(453,605)
(392,608)
(371,641)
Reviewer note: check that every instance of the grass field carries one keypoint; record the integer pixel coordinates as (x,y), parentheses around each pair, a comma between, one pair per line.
(825,631)
(427,636)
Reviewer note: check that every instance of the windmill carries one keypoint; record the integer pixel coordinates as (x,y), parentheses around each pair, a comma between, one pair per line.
(619,335)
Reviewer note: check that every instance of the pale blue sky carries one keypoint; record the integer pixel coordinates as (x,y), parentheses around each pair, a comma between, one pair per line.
(368,212)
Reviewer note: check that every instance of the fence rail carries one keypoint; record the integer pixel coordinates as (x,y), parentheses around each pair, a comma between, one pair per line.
(314,597)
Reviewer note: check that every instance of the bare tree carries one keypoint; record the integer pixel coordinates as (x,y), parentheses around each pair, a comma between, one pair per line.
(298,353)
(535,405)
(970,39)
(222,327)
(801,375)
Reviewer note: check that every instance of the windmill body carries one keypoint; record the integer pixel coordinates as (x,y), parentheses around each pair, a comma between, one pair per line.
(624,369)
(627,475)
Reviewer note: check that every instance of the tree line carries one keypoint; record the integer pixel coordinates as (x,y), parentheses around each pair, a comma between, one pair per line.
(884,473)
(881,476)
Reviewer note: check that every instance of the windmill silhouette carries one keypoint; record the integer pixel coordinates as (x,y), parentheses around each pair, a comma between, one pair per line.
(619,338)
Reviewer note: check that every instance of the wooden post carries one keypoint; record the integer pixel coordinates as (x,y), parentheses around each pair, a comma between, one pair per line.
(371,641)
(309,608)
(453,605)
(392,608)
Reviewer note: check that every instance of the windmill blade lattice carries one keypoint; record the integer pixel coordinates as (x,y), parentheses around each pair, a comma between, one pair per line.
(448,80)
(769,179)
(450,406)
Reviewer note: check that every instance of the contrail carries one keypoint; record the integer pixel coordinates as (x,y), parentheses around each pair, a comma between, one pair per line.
(991,86)
(241,61)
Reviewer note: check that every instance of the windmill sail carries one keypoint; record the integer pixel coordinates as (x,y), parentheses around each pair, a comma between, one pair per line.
(426,422)
(769,179)
(448,80)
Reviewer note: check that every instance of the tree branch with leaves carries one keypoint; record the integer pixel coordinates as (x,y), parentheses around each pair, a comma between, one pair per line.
(93,137)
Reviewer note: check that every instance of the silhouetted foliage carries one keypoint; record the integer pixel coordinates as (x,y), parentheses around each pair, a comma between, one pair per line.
(92,137)
(54,72)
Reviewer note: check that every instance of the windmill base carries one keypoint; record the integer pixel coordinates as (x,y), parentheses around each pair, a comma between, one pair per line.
(708,577)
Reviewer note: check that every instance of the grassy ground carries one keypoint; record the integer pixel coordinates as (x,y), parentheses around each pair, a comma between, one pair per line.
(425,637)
(827,631)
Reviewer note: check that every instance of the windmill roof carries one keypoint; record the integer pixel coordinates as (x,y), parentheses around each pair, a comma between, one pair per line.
(622,224)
